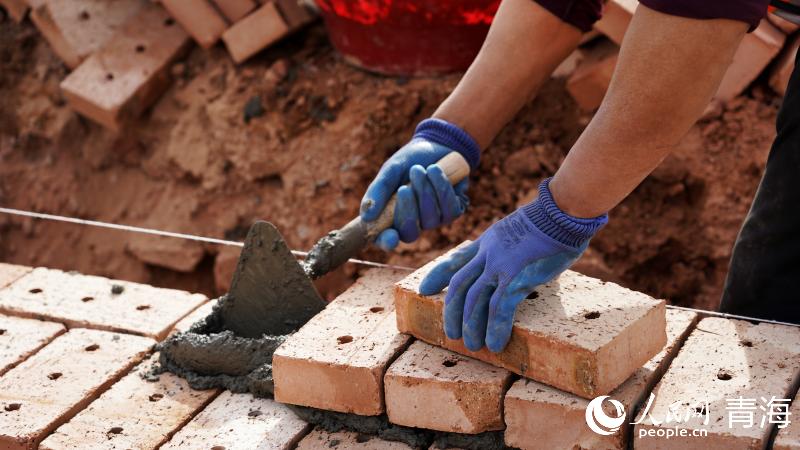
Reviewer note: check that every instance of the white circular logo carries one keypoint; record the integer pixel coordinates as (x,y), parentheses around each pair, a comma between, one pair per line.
(599,421)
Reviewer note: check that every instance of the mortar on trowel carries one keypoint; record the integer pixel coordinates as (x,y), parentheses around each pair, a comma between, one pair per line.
(271,296)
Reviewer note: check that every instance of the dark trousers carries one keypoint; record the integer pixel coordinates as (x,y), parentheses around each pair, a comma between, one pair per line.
(764,276)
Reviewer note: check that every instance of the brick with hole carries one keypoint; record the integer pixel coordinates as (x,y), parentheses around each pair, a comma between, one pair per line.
(199,19)
(337,360)
(134,413)
(16,9)
(10,273)
(590,80)
(539,416)
(347,440)
(77,28)
(255,32)
(430,387)
(723,360)
(130,72)
(235,10)
(755,52)
(96,302)
(788,437)
(59,381)
(234,421)
(576,333)
(617,15)
(20,338)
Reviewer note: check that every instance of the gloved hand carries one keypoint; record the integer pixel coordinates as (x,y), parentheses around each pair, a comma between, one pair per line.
(491,276)
(430,201)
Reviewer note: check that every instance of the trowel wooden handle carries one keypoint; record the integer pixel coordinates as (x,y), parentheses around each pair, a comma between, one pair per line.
(454,166)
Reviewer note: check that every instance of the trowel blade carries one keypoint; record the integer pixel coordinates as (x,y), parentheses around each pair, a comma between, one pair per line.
(270,293)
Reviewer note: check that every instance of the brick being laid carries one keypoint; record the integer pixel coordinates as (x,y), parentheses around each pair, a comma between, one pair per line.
(133,413)
(590,80)
(255,32)
(20,338)
(617,15)
(130,72)
(788,438)
(95,302)
(77,28)
(347,440)
(337,360)
(722,364)
(234,421)
(199,19)
(430,387)
(579,334)
(539,416)
(60,380)
(10,273)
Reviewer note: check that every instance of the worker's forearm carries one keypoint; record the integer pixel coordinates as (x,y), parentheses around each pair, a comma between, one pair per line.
(525,44)
(668,70)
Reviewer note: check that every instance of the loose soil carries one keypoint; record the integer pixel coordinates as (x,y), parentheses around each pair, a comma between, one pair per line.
(316,132)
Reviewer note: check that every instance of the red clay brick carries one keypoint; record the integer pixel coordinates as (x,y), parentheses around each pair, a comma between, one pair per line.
(77,28)
(127,75)
(255,32)
(235,421)
(87,301)
(580,334)
(133,413)
(199,19)
(779,79)
(294,13)
(539,416)
(235,10)
(346,440)
(723,359)
(20,338)
(10,273)
(590,80)
(755,53)
(789,438)
(430,387)
(337,360)
(180,255)
(15,8)
(60,380)
(203,311)
(617,15)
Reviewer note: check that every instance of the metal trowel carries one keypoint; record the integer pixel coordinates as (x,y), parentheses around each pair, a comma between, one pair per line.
(272,293)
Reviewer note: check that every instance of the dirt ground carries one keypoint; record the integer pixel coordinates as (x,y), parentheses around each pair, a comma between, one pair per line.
(193,164)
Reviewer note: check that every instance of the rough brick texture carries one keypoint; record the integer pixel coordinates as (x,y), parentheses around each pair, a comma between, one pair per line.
(199,19)
(10,273)
(20,338)
(580,334)
(346,440)
(788,438)
(234,10)
(60,380)
(77,28)
(88,301)
(234,421)
(203,311)
(255,32)
(723,359)
(755,53)
(617,15)
(133,413)
(130,72)
(539,416)
(590,80)
(337,360)
(15,8)
(430,387)
(782,71)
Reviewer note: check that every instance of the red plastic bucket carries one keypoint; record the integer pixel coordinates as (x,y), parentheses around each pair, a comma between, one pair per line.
(408,37)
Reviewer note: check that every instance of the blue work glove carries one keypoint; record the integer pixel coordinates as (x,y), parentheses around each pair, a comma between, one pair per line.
(430,200)
(489,277)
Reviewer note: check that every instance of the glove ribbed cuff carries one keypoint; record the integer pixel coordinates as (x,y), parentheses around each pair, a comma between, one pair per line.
(451,136)
(550,220)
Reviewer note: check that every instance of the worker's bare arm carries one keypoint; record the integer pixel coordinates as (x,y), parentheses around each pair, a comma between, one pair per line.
(668,70)
(525,44)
